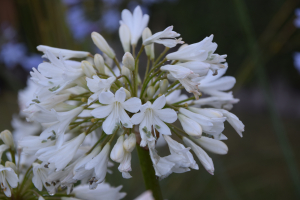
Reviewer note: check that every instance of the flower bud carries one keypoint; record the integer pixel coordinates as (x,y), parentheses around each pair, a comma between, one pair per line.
(212,145)
(163,86)
(88,69)
(11,165)
(130,143)
(125,37)
(125,71)
(128,95)
(117,153)
(101,43)
(128,61)
(190,126)
(150,91)
(149,49)
(7,138)
(99,63)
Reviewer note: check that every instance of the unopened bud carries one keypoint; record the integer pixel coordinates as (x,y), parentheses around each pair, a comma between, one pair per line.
(88,69)
(149,49)
(130,143)
(128,61)
(117,153)
(128,95)
(125,37)
(99,63)
(11,165)
(125,71)
(101,43)
(163,86)
(150,91)
(7,138)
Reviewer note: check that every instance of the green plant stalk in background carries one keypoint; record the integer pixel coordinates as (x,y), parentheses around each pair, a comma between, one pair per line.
(278,126)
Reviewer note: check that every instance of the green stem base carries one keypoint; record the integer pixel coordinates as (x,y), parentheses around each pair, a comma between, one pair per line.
(151,182)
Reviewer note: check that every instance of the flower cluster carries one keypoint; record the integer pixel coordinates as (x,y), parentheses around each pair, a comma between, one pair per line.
(88,112)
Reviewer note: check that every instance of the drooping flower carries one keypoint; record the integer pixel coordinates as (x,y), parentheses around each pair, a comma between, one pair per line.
(67,54)
(152,117)
(114,109)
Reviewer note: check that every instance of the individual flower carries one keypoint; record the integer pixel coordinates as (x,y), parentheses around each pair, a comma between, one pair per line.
(149,49)
(180,155)
(136,22)
(215,85)
(99,164)
(166,37)
(190,126)
(152,117)
(212,145)
(185,76)
(66,54)
(125,37)
(114,109)
(205,160)
(103,192)
(8,179)
(39,179)
(98,85)
(60,157)
(101,43)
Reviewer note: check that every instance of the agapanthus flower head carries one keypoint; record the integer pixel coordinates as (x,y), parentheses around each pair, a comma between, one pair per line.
(84,115)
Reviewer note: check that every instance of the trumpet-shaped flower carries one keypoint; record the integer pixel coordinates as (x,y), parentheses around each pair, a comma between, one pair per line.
(166,37)
(152,117)
(115,108)
(8,178)
(136,22)
(67,54)
(205,160)
(98,85)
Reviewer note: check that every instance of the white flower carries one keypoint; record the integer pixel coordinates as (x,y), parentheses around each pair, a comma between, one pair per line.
(8,178)
(194,52)
(215,85)
(145,196)
(125,165)
(186,77)
(63,52)
(217,102)
(56,74)
(216,118)
(124,34)
(117,153)
(99,63)
(60,157)
(162,166)
(115,109)
(190,126)
(128,61)
(103,192)
(101,43)
(212,145)
(98,85)
(130,142)
(88,69)
(26,95)
(234,121)
(99,164)
(40,174)
(83,161)
(7,138)
(181,156)
(31,144)
(205,160)
(149,49)
(176,96)
(136,23)
(152,117)
(166,37)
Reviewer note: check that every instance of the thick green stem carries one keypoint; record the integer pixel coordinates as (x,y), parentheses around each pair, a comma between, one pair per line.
(151,182)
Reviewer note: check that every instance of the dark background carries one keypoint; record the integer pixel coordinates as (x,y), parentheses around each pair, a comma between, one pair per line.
(260,40)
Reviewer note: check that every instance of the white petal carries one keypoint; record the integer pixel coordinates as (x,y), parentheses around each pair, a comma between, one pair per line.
(132,105)
(102,111)
(161,126)
(167,115)
(137,118)
(109,124)
(106,98)
(159,103)
(120,95)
